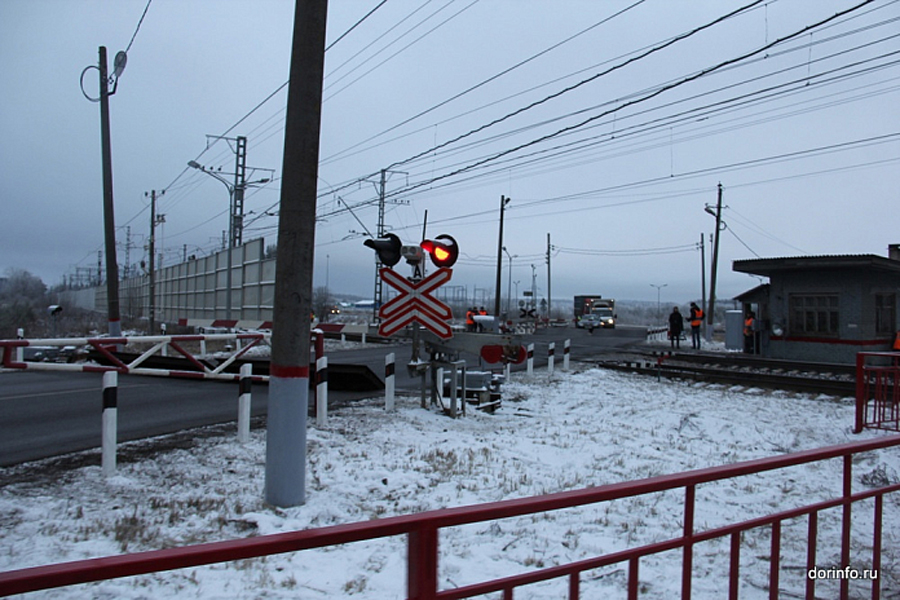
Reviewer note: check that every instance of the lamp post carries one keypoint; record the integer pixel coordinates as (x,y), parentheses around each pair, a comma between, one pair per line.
(232,189)
(658,289)
(109,221)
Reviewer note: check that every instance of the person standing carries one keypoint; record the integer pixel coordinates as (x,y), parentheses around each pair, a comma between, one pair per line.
(676,327)
(750,333)
(696,319)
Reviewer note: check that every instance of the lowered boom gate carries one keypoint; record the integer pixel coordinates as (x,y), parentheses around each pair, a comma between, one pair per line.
(423,531)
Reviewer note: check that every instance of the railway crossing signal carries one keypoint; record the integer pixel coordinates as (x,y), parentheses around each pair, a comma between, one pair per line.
(387,248)
(415,304)
(442,250)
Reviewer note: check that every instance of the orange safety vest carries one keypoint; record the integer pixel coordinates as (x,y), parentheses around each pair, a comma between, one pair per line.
(897,341)
(698,318)
(748,326)
(469,319)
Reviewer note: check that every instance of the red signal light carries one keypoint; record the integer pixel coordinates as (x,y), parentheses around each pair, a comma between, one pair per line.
(442,250)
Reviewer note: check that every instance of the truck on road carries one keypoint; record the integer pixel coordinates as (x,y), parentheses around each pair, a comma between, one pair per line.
(595,311)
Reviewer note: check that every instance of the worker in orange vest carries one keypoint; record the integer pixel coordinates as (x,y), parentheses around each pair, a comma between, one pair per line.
(750,333)
(897,341)
(470,319)
(696,318)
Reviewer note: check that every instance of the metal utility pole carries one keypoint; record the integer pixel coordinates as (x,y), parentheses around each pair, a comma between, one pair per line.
(109,220)
(240,184)
(503,202)
(235,205)
(289,370)
(715,265)
(380,231)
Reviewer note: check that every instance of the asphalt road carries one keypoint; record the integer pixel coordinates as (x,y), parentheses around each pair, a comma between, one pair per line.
(44,414)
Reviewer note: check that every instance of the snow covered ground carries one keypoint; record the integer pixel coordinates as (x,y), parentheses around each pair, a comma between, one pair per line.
(566,431)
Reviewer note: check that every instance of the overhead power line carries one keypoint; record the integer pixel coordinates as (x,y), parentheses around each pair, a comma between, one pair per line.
(636,101)
(484,82)
(581,83)
(138,28)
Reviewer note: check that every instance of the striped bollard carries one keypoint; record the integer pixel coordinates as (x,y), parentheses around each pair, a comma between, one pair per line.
(110,418)
(322,391)
(530,361)
(389,382)
(566,347)
(244,400)
(20,350)
(551,352)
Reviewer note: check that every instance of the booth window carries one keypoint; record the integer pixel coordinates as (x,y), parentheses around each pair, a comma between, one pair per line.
(885,314)
(815,315)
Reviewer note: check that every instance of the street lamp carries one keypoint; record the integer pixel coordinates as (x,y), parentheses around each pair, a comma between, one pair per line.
(231,221)
(658,289)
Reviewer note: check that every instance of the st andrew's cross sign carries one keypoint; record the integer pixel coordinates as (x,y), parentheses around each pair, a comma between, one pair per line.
(416,304)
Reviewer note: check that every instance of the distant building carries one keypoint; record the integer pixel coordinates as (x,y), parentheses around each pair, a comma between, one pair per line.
(825,308)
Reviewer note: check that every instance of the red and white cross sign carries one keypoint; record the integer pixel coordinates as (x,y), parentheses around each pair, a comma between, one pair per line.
(416,304)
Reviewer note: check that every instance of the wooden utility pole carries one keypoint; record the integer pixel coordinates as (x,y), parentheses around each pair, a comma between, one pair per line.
(289,371)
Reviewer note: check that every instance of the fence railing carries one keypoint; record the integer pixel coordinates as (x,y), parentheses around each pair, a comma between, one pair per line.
(423,529)
(877,391)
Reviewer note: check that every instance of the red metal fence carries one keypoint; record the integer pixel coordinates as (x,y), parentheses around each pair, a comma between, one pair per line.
(877,391)
(422,531)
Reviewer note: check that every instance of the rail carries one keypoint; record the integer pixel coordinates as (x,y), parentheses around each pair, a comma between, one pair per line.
(877,391)
(422,531)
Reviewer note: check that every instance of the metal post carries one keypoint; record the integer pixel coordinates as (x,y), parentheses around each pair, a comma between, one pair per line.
(322,391)
(289,374)
(530,361)
(389,381)
(109,423)
(550,357)
(109,221)
(244,402)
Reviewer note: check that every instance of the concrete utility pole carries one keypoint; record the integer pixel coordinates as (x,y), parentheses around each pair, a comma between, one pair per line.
(289,371)
(109,220)
(549,295)
(503,202)
(715,266)
(152,266)
(703,274)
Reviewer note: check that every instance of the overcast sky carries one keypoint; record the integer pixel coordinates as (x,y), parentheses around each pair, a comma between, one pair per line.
(625,123)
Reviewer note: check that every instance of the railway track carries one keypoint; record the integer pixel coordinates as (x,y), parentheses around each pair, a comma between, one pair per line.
(833,379)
